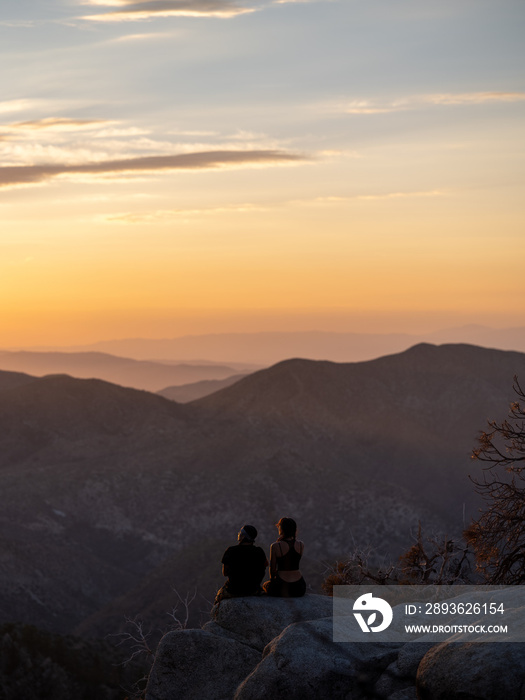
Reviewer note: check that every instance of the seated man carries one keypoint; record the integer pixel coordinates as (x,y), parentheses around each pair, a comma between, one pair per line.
(244,565)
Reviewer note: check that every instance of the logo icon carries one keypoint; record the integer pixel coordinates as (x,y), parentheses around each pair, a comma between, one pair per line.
(367,603)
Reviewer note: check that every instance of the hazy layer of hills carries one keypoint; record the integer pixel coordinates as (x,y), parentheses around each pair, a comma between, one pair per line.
(111,496)
(152,376)
(156,365)
(269,348)
(196,390)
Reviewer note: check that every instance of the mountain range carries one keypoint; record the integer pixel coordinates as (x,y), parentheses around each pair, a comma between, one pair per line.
(196,390)
(139,374)
(267,348)
(113,497)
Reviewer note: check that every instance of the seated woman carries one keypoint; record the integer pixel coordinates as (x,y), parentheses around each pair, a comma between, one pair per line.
(285,554)
(244,564)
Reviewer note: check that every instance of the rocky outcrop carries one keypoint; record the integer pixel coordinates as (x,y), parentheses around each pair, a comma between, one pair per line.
(303,663)
(397,682)
(472,671)
(213,662)
(256,621)
(266,647)
(195,664)
(259,648)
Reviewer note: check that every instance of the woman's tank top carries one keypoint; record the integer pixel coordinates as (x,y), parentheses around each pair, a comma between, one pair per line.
(290,560)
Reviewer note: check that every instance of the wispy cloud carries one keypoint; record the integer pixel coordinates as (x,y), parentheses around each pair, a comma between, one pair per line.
(298,2)
(366,106)
(388,195)
(17,23)
(9,106)
(58,139)
(36,174)
(69,141)
(60,124)
(193,132)
(151,36)
(52,128)
(162,215)
(187,215)
(370,107)
(342,199)
(475,98)
(124,10)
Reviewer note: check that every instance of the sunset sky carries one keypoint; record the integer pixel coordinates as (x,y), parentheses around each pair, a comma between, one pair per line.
(193,166)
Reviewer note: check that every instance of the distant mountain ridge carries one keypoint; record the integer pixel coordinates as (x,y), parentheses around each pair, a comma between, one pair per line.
(398,403)
(139,374)
(197,390)
(267,348)
(111,496)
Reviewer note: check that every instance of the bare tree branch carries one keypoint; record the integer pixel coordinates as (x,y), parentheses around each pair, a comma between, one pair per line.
(431,560)
(498,536)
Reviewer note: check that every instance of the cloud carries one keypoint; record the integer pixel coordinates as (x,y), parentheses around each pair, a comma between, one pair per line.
(36,174)
(475,98)
(58,140)
(338,199)
(186,215)
(16,105)
(41,135)
(161,215)
(388,195)
(368,107)
(193,133)
(151,36)
(147,9)
(302,2)
(417,101)
(60,124)
(18,23)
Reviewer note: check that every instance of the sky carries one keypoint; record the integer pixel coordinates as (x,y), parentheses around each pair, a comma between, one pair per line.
(195,166)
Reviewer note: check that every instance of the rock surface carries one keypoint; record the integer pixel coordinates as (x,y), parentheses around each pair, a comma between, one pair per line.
(303,663)
(398,680)
(472,672)
(256,621)
(212,662)
(195,664)
(259,648)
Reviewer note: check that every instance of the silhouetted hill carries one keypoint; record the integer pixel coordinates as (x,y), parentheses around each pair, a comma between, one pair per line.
(60,410)
(11,380)
(60,403)
(415,414)
(111,495)
(71,454)
(424,383)
(138,374)
(196,390)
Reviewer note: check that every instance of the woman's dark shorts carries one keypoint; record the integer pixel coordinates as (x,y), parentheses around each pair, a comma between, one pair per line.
(282,589)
